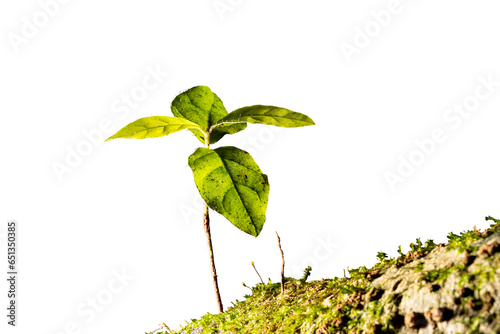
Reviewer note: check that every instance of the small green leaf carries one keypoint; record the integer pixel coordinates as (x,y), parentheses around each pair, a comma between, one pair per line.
(270,115)
(232,184)
(154,126)
(203,107)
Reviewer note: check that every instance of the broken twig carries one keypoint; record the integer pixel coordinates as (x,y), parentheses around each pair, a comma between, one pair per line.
(282,266)
(253,265)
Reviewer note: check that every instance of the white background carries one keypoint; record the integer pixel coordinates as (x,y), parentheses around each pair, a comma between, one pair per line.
(132,205)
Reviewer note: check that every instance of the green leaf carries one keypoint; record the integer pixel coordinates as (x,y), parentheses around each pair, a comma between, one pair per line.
(154,126)
(201,106)
(230,128)
(270,115)
(232,184)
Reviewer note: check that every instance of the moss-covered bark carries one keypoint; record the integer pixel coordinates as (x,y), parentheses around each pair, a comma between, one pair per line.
(445,288)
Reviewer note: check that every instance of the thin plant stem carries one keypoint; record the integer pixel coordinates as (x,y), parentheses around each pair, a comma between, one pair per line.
(253,265)
(282,265)
(206,225)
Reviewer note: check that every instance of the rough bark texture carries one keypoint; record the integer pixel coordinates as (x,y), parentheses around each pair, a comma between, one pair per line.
(465,296)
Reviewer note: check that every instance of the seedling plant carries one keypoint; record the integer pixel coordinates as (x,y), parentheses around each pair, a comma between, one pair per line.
(228,179)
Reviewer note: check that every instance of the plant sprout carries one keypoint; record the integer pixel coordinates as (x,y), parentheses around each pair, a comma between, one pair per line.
(228,179)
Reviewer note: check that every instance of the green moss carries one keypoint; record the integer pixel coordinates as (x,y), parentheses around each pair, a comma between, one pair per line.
(381,256)
(307,273)
(473,324)
(419,267)
(302,307)
(481,275)
(417,248)
(440,275)
(463,241)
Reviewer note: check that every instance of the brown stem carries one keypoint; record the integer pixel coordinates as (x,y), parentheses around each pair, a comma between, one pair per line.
(253,265)
(206,225)
(282,266)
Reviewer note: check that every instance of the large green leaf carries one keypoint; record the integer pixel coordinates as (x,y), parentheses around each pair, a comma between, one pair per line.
(201,106)
(154,126)
(270,115)
(232,184)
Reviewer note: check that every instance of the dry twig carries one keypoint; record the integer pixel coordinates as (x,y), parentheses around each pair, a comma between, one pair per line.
(282,266)
(253,265)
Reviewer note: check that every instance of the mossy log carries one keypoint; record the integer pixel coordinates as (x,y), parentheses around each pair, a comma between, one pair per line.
(445,288)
